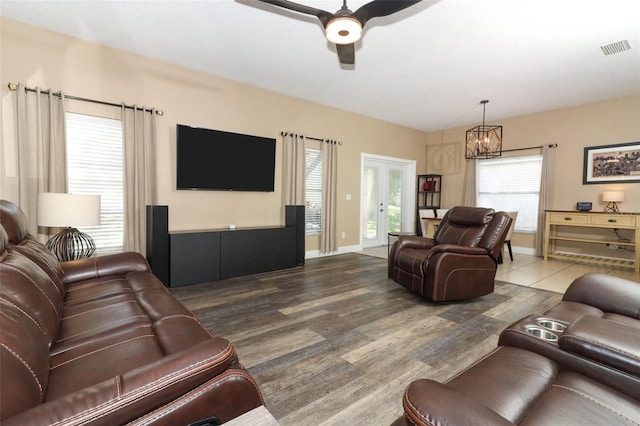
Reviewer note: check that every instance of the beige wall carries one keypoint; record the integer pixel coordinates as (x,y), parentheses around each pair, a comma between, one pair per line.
(601,123)
(50,60)
(42,58)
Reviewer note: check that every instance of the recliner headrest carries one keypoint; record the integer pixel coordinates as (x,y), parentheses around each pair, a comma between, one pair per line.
(470,216)
(13,221)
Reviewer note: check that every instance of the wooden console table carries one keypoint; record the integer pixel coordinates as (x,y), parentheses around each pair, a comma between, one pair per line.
(557,218)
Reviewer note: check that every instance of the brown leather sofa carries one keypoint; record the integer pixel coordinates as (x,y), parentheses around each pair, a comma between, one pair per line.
(459,262)
(102,341)
(577,363)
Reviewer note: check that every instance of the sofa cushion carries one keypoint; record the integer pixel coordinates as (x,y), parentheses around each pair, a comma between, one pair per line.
(28,287)
(604,341)
(42,257)
(99,322)
(514,386)
(135,322)
(24,360)
(509,394)
(16,227)
(576,399)
(13,221)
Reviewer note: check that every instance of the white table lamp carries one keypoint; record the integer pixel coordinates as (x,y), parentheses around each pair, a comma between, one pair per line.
(612,198)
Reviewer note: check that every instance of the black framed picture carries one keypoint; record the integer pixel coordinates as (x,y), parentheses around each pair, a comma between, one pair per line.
(617,163)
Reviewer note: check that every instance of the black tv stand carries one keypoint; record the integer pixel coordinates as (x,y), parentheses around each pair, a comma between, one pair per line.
(216,254)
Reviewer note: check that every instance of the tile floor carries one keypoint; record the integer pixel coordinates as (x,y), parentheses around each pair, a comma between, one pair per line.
(533,271)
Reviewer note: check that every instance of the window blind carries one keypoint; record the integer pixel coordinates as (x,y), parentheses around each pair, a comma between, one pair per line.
(95,166)
(511,184)
(313,190)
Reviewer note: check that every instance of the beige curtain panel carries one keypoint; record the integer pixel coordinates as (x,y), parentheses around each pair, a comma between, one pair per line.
(293,165)
(329,234)
(546,180)
(41,152)
(139,136)
(470,185)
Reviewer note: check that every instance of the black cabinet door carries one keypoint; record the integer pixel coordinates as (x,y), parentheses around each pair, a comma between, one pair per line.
(195,258)
(240,253)
(278,248)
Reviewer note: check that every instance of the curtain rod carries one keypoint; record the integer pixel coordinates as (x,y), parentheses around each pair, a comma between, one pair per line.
(13,87)
(310,137)
(551,145)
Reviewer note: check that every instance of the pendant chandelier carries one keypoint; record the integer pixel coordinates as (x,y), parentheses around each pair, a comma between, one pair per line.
(483,141)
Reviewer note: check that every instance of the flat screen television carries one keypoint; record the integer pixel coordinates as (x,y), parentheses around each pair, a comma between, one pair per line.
(224,161)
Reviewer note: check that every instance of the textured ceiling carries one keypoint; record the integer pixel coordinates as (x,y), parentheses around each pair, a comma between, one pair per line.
(426,67)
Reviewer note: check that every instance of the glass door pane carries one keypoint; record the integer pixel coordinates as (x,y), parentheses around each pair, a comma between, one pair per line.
(384,189)
(371,202)
(394,200)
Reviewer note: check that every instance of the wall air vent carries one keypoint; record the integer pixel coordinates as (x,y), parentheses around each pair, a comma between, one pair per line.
(617,47)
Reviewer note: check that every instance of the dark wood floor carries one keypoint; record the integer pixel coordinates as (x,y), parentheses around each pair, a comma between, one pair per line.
(336,342)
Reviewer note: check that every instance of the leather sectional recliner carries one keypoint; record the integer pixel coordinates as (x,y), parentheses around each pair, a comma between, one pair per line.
(102,341)
(577,363)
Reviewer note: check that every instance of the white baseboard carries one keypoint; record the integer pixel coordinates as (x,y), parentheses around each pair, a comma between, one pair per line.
(341,250)
(350,249)
(522,250)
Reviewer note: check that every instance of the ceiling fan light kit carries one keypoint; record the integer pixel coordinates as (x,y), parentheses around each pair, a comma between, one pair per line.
(343,30)
(483,141)
(345,27)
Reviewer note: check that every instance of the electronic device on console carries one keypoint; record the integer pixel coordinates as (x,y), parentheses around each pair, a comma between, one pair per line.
(583,206)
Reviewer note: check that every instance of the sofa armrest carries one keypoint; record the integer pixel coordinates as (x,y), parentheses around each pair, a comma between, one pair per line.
(414,241)
(604,341)
(453,248)
(607,293)
(125,397)
(101,266)
(427,402)
(408,242)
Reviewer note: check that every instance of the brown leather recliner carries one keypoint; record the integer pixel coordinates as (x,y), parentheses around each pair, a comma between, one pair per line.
(459,262)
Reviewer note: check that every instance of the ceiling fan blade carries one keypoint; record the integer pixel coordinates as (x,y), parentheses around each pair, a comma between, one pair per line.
(322,15)
(346,53)
(381,8)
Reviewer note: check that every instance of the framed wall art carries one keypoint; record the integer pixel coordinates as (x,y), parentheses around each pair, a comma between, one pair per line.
(444,159)
(617,163)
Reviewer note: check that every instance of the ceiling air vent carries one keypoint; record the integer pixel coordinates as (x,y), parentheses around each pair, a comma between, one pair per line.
(617,47)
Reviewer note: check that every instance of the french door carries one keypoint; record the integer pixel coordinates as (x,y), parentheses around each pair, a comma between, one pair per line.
(387,197)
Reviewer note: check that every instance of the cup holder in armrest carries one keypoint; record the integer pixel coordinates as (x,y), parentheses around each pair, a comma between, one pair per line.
(541,333)
(552,325)
(534,331)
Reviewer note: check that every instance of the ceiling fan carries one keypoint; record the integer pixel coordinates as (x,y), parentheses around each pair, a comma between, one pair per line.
(344,27)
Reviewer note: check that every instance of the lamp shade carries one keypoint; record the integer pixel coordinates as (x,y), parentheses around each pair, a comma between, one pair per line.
(613,196)
(68,210)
